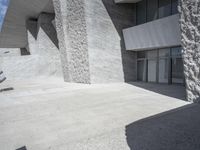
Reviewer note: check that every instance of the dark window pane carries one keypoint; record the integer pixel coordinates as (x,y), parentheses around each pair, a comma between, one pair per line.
(141,12)
(152,10)
(177,70)
(141,70)
(164,8)
(176,51)
(174,6)
(141,54)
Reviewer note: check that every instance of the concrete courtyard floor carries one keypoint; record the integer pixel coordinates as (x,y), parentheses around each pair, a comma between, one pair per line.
(53,115)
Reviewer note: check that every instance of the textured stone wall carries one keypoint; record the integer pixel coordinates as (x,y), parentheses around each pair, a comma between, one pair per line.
(72,35)
(108,58)
(190,28)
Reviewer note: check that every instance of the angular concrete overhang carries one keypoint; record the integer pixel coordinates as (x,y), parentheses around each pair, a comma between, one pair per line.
(163,32)
(13,33)
(127,1)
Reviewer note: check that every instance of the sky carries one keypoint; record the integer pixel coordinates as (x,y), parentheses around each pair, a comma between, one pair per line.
(3,8)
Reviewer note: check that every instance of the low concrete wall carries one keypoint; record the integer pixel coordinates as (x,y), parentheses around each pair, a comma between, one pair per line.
(164,32)
(26,67)
(190,31)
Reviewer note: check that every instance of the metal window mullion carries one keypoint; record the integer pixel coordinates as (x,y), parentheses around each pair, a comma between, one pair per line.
(146,11)
(146,64)
(170,68)
(171,7)
(157,67)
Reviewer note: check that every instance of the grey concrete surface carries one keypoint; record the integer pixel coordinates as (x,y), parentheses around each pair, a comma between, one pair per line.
(108,59)
(163,32)
(190,23)
(53,115)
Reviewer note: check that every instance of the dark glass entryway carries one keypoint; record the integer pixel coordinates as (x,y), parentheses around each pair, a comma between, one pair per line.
(160,66)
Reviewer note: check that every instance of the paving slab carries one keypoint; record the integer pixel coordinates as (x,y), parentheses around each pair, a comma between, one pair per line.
(53,115)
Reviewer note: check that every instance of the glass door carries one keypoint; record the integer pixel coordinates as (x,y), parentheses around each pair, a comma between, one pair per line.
(152,65)
(160,66)
(141,70)
(141,66)
(163,69)
(177,65)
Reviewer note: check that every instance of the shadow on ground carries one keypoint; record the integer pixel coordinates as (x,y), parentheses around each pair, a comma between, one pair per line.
(175,91)
(173,130)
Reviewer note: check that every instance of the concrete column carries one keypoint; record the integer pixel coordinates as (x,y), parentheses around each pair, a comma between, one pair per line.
(91,40)
(190,30)
(72,35)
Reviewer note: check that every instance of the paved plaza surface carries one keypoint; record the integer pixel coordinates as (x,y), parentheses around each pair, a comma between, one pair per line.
(49,114)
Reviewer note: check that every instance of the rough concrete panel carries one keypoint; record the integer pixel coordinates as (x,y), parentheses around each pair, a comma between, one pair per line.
(190,28)
(71,29)
(109,61)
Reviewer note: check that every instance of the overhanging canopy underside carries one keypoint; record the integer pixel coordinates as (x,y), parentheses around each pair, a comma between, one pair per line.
(13,34)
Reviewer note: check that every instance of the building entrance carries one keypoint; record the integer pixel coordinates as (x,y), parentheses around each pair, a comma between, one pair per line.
(160,66)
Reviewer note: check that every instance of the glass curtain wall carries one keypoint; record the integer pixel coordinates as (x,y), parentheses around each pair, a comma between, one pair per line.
(164,8)
(152,10)
(141,12)
(174,7)
(149,10)
(160,66)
